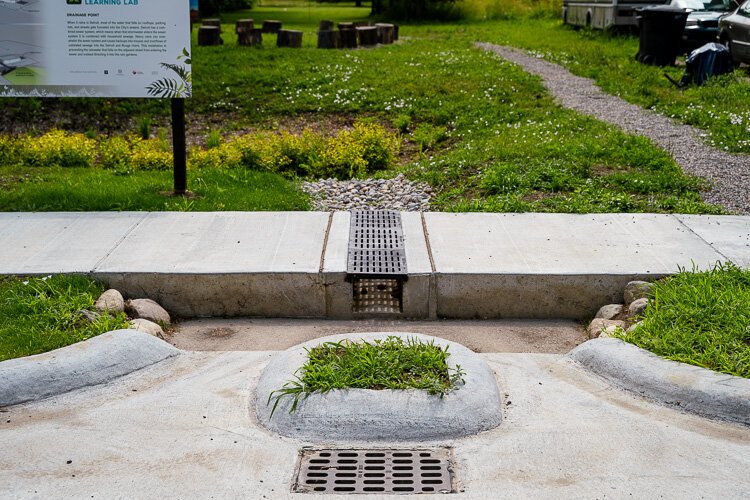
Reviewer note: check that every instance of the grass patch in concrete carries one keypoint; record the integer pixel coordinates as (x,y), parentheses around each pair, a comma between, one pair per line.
(40,314)
(393,363)
(700,318)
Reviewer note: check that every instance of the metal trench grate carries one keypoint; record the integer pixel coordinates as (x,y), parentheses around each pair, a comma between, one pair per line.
(374,471)
(376,243)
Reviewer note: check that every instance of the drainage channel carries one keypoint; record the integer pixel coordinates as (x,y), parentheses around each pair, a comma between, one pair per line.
(363,471)
(376,262)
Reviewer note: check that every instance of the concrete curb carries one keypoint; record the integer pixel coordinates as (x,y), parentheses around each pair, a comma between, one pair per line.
(95,361)
(690,388)
(371,415)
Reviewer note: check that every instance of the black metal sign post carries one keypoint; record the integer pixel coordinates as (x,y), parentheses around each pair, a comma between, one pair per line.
(178,146)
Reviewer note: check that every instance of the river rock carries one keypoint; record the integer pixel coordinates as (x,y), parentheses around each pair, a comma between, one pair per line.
(110,301)
(610,311)
(637,290)
(604,327)
(638,306)
(144,325)
(147,309)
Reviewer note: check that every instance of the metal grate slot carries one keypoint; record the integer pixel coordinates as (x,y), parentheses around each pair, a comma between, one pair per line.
(377,296)
(377,261)
(375,471)
(376,243)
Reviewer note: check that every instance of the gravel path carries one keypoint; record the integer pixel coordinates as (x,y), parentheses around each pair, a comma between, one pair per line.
(729,174)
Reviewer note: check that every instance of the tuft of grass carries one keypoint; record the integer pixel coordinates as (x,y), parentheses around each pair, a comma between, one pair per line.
(44,313)
(700,318)
(392,363)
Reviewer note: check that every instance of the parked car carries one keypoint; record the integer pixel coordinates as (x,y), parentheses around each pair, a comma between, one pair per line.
(702,24)
(734,32)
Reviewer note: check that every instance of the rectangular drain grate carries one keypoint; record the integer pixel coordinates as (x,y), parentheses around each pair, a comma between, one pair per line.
(375,471)
(377,296)
(376,243)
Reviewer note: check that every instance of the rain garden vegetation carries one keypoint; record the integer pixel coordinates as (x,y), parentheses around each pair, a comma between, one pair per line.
(486,135)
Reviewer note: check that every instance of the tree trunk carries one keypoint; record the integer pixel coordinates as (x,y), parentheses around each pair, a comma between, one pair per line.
(289,38)
(385,33)
(347,38)
(243,25)
(212,22)
(328,39)
(251,38)
(368,36)
(325,26)
(271,26)
(209,35)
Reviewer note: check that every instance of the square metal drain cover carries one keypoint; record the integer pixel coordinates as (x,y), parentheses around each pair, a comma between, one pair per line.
(400,471)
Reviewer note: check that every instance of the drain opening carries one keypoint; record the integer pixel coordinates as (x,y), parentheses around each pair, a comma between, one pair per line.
(375,471)
(377,296)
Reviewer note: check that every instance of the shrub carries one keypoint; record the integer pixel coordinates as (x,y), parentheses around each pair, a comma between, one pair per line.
(114,153)
(9,151)
(58,147)
(150,155)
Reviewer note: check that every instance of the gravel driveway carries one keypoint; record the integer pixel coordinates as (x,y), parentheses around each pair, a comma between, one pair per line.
(729,174)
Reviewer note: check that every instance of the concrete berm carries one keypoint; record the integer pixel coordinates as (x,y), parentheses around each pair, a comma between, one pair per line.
(375,415)
(96,361)
(690,388)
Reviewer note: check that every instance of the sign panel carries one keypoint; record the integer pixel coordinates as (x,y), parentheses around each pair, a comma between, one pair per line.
(95,48)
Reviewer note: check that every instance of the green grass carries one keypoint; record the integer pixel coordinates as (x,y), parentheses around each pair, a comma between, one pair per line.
(486,135)
(700,318)
(41,314)
(61,189)
(392,363)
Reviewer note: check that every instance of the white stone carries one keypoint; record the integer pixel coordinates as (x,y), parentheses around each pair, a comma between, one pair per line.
(148,309)
(638,306)
(110,301)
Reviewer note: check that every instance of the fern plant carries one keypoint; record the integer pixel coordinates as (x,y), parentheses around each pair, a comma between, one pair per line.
(174,87)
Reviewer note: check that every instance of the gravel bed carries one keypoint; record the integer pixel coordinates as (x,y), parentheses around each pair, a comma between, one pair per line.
(397,193)
(728,174)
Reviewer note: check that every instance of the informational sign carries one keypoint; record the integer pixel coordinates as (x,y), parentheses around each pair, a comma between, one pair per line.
(95,48)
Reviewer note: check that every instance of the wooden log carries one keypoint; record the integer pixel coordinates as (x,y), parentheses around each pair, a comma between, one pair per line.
(212,22)
(347,39)
(367,36)
(209,35)
(289,38)
(252,38)
(346,26)
(395,32)
(361,24)
(328,39)
(326,26)
(243,26)
(385,33)
(271,26)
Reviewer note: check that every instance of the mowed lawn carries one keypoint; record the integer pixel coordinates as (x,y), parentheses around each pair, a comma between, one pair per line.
(485,135)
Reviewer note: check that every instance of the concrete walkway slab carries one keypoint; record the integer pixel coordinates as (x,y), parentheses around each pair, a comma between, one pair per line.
(184,429)
(60,242)
(729,235)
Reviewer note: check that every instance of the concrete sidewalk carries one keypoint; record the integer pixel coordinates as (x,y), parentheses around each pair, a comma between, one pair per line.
(185,428)
(293,264)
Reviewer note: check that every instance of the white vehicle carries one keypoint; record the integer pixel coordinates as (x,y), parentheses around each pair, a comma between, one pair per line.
(601,14)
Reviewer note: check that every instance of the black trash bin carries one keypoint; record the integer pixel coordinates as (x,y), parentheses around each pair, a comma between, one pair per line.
(661,30)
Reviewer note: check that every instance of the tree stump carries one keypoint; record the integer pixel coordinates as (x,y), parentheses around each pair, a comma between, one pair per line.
(212,22)
(243,25)
(395,32)
(289,38)
(367,35)
(385,33)
(251,38)
(328,39)
(347,39)
(326,26)
(346,26)
(361,24)
(270,26)
(209,35)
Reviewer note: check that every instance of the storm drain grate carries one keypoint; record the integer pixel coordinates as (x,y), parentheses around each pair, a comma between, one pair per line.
(377,296)
(375,471)
(376,243)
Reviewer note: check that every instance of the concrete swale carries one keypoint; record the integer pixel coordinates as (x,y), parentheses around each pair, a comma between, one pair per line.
(381,415)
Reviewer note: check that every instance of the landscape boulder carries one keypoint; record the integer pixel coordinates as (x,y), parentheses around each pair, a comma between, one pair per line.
(638,306)
(610,311)
(146,326)
(110,301)
(147,309)
(604,327)
(635,290)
